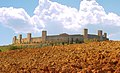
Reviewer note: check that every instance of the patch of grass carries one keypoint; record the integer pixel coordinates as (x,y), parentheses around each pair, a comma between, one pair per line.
(8,47)
(4,48)
(13,47)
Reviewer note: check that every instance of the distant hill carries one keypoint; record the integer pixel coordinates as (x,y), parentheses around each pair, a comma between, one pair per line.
(94,57)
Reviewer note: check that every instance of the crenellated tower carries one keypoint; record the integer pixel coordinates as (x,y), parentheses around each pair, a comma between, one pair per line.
(105,35)
(44,35)
(20,38)
(85,33)
(100,37)
(14,40)
(29,37)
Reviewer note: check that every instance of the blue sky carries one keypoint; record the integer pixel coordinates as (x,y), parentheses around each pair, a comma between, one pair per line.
(7,31)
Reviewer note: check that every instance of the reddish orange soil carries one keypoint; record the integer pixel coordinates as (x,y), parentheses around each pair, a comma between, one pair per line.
(95,57)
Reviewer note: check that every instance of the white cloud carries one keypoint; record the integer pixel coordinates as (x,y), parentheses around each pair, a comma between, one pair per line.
(90,12)
(48,15)
(19,20)
(53,12)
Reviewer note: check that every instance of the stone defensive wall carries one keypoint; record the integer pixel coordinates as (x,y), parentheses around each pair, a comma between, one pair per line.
(64,37)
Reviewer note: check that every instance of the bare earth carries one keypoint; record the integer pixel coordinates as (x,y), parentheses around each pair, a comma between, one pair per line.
(95,57)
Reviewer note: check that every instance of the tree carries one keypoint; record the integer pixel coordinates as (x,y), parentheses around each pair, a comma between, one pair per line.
(71,42)
(77,41)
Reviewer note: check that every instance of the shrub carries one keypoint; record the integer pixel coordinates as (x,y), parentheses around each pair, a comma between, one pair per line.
(0,50)
(63,43)
(13,47)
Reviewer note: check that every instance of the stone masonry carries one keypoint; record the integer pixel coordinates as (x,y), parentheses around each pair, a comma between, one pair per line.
(64,37)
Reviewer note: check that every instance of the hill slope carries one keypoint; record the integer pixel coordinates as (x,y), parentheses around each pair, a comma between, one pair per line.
(100,57)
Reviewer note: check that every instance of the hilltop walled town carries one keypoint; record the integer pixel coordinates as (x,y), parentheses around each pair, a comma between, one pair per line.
(64,37)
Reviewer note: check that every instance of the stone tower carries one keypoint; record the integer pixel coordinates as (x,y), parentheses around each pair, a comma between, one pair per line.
(44,35)
(14,39)
(29,37)
(105,35)
(100,37)
(85,33)
(20,38)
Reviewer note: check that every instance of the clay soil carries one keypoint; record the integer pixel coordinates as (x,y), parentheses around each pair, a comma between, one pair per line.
(95,57)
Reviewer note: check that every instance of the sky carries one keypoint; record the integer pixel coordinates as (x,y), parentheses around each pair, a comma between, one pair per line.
(58,16)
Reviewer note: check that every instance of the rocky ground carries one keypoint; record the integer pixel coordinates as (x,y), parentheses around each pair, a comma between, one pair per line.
(95,57)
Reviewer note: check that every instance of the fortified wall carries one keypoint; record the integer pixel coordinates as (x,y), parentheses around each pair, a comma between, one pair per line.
(64,37)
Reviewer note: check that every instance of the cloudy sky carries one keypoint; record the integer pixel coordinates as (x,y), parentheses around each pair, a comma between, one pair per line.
(58,16)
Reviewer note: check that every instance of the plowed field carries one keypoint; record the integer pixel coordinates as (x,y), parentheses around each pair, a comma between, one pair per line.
(95,57)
